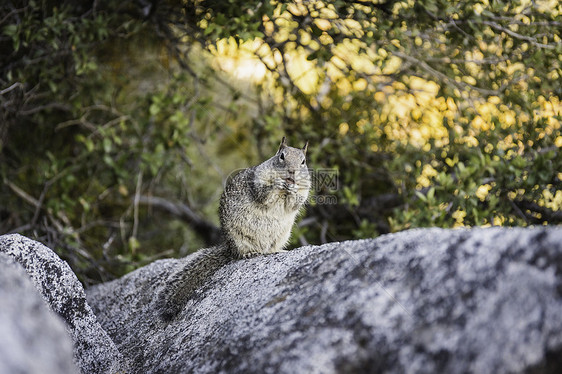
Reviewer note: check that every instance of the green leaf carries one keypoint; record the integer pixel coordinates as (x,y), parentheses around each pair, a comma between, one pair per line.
(316,31)
(421,196)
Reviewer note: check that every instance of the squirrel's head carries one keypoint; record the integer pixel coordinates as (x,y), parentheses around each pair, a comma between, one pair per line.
(290,166)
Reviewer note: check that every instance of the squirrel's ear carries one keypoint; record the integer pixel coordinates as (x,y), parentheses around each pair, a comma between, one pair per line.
(305,147)
(282,145)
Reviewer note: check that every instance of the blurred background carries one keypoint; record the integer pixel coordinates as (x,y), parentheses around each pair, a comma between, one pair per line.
(120,119)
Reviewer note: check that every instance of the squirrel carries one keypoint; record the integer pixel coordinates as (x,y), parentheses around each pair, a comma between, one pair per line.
(257,210)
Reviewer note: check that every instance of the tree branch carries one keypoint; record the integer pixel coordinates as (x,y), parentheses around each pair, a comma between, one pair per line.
(531,209)
(207,230)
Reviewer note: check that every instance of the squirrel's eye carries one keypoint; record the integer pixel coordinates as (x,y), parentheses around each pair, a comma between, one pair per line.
(302,163)
(282,157)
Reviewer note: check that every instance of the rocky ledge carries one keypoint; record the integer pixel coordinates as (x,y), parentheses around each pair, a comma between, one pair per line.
(63,294)
(420,301)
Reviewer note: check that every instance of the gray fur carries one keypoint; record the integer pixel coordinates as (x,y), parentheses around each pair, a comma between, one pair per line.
(257,211)
(183,283)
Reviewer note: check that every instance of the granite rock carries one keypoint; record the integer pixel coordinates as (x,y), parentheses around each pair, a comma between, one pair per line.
(94,351)
(420,301)
(33,339)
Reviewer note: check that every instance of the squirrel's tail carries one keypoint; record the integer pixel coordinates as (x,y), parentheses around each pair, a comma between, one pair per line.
(179,287)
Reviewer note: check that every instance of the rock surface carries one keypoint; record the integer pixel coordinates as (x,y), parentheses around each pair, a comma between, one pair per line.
(94,351)
(420,301)
(33,340)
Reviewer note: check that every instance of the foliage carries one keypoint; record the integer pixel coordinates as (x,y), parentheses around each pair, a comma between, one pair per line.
(119,118)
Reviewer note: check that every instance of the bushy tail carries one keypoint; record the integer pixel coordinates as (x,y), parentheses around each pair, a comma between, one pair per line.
(180,285)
